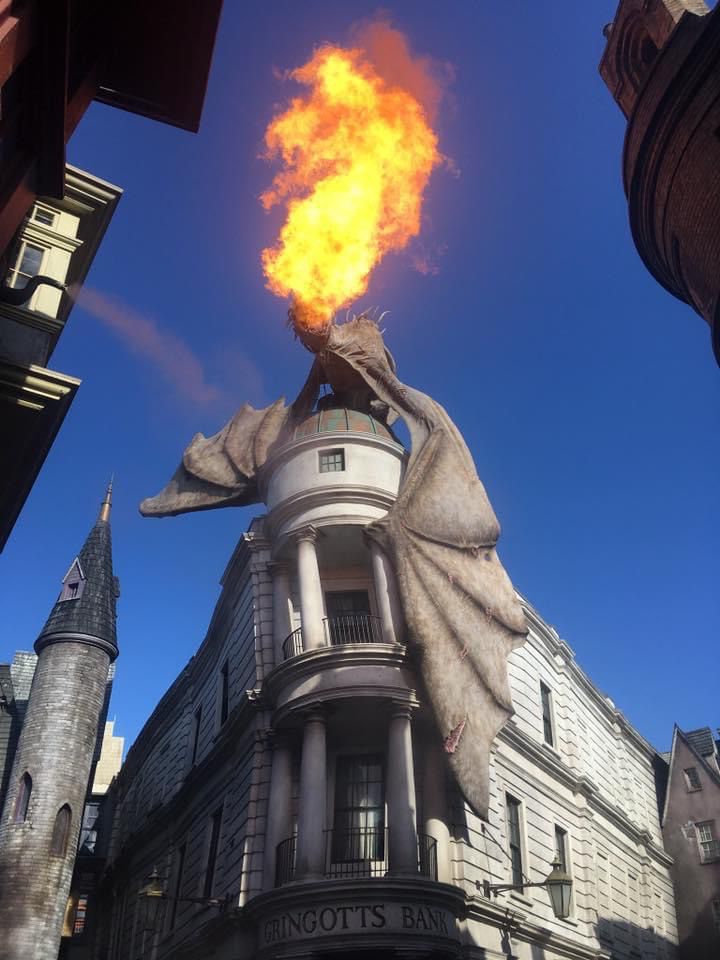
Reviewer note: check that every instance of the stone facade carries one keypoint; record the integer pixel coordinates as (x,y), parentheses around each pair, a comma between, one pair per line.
(661,66)
(292,779)
(691,821)
(48,785)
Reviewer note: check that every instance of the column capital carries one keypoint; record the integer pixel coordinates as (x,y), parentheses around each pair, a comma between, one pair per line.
(315,712)
(308,532)
(277,568)
(401,710)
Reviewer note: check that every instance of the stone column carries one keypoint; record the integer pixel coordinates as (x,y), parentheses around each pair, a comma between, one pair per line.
(310,859)
(280,608)
(278,814)
(435,808)
(386,594)
(311,599)
(402,814)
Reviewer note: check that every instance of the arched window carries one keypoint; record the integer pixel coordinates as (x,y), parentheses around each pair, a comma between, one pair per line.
(23,798)
(61,831)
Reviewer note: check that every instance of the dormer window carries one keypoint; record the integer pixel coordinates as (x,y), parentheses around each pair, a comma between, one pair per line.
(73,582)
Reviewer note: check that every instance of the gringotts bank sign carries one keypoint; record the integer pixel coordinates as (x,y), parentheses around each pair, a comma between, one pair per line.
(379,917)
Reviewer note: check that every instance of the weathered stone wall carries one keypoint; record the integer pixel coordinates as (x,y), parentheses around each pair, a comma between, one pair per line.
(56,748)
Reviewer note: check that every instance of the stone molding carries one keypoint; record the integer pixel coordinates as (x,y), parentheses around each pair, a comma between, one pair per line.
(536,755)
(46,640)
(359,494)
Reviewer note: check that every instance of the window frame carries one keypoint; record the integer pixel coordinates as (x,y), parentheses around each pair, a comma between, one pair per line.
(709,847)
(179,869)
(223,694)
(61,832)
(517,873)
(689,773)
(370,850)
(22,798)
(214,832)
(14,270)
(547,713)
(195,734)
(328,458)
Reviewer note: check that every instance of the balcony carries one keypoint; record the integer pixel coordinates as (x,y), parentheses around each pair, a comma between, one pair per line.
(349,628)
(355,854)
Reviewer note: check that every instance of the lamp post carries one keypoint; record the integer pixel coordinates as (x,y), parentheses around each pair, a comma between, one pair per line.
(558,883)
(153,900)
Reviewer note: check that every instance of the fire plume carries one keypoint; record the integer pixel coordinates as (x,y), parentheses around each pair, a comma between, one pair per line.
(357,153)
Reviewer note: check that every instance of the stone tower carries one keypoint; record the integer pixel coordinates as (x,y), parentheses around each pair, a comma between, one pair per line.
(49,781)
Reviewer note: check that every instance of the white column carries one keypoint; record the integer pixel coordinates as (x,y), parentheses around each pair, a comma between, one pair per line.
(278,814)
(402,815)
(281,608)
(311,600)
(435,808)
(310,858)
(386,594)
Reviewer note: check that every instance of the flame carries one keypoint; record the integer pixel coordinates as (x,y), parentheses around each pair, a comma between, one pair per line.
(357,154)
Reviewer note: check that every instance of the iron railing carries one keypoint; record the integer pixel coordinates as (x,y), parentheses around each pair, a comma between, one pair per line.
(293,644)
(285,861)
(353,628)
(356,852)
(427,856)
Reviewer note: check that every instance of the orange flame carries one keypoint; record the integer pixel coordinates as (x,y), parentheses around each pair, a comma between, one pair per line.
(357,154)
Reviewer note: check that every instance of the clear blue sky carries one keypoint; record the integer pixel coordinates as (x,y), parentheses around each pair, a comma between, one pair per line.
(588,395)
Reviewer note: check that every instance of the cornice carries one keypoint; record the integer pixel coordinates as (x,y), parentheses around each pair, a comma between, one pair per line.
(579,783)
(558,647)
(310,662)
(360,494)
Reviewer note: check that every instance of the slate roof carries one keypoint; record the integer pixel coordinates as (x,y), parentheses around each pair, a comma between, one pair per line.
(93,612)
(701,741)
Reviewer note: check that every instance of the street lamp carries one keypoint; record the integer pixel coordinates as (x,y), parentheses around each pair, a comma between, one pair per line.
(558,883)
(153,899)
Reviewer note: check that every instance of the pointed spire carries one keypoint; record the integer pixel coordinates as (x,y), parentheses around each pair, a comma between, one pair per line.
(85,609)
(106,505)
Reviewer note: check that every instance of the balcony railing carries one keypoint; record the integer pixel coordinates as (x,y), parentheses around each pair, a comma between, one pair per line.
(353,628)
(427,856)
(293,644)
(355,852)
(285,861)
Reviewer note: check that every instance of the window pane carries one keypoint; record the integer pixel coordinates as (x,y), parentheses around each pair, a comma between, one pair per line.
(515,850)
(30,262)
(43,216)
(546,714)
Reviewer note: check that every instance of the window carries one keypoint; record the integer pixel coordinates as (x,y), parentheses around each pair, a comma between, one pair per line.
(512,807)
(224,693)
(88,830)
(716,914)
(28,264)
(692,779)
(41,215)
(359,825)
(561,848)
(23,799)
(709,847)
(195,735)
(215,825)
(73,582)
(349,619)
(80,916)
(332,461)
(177,886)
(545,696)
(61,832)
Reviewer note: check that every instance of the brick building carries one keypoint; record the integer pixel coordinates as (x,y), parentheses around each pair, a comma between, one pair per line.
(662,66)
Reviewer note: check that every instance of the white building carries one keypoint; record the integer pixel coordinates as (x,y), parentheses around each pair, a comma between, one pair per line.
(292,766)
